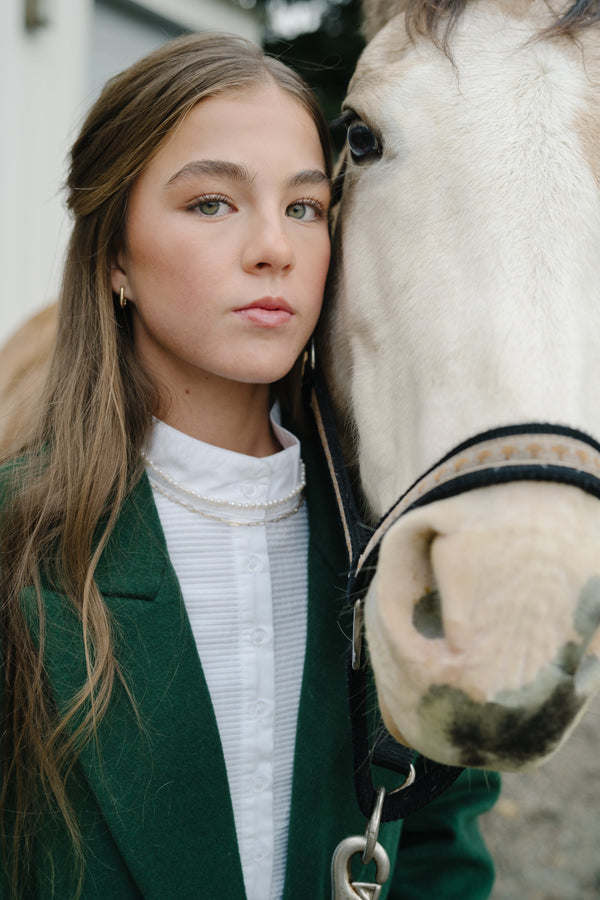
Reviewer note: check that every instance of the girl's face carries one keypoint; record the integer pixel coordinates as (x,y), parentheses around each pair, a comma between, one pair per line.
(227,243)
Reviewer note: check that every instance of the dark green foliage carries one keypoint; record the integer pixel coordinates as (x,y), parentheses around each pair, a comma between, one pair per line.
(325,58)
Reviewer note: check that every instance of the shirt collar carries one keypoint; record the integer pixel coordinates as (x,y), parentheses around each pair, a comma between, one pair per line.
(225,474)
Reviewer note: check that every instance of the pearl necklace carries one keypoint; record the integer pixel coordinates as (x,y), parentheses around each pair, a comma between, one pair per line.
(220,502)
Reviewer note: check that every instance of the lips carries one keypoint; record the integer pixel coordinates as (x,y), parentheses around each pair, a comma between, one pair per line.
(269,312)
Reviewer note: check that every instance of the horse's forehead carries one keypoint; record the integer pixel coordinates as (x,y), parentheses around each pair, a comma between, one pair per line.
(386,59)
(484,29)
(479,46)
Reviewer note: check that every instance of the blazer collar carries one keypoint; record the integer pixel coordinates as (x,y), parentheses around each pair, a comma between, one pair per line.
(135,560)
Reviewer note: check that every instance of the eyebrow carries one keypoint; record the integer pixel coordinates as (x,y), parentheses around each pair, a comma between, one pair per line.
(240,173)
(308,176)
(212,167)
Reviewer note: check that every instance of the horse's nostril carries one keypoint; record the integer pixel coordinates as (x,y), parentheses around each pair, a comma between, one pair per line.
(427,616)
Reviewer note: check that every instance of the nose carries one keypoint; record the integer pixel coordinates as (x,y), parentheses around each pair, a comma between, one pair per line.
(459,686)
(268,245)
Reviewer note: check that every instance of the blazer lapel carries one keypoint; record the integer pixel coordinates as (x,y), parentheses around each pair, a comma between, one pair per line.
(324,809)
(157,771)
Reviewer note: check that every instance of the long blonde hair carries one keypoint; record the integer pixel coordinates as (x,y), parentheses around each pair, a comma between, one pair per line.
(63,490)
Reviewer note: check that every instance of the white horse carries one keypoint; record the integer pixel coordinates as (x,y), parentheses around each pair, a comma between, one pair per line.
(466,296)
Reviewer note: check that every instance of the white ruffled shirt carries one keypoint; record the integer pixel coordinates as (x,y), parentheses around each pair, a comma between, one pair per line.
(245,591)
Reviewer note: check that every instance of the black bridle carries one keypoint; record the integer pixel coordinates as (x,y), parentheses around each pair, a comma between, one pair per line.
(530,452)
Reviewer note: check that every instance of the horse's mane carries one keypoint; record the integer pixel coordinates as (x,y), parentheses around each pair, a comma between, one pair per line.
(436,18)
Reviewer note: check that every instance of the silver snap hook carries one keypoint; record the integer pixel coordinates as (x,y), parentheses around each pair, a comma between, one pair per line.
(342,886)
(372,832)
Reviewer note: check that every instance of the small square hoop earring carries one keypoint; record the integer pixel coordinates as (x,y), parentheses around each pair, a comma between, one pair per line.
(122,298)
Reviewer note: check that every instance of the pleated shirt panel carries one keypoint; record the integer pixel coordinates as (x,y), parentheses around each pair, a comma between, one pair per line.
(245,590)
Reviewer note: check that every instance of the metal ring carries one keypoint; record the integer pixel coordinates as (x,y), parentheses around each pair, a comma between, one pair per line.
(410,779)
(358,620)
(372,832)
(312,354)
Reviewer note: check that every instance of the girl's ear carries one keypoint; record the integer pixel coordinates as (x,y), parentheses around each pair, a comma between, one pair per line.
(118,275)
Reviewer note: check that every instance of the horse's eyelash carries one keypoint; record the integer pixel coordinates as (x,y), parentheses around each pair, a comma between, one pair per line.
(346,118)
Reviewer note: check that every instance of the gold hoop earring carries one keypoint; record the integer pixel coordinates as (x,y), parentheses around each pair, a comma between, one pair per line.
(122,298)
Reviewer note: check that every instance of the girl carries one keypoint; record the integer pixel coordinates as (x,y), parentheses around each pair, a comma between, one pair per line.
(173,692)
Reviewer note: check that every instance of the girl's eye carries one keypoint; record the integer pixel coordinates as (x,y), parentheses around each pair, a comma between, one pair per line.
(212,207)
(305,210)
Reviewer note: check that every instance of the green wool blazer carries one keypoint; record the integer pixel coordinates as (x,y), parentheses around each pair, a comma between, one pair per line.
(151,792)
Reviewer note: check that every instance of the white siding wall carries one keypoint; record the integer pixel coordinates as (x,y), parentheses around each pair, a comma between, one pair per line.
(48,78)
(42,91)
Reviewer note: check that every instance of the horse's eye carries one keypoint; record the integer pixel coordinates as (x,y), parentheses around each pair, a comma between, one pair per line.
(362,142)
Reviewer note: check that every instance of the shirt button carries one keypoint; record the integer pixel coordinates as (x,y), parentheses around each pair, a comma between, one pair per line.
(253,563)
(258,636)
(260,852)
(261,708)
(249,490)
(259,783)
